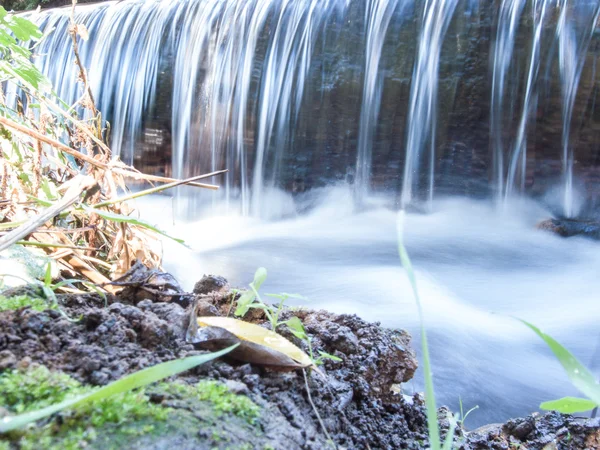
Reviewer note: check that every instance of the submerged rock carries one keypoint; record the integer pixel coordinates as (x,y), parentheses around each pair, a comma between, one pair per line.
(572,227)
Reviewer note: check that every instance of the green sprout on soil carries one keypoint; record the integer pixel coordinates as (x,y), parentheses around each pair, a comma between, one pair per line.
(251,299)
(47,298)
(297,329)
(463,415)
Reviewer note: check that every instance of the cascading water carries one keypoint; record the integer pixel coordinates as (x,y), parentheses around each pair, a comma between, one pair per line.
(288,94)
(518,155)
(573,46)
(422,116)
(377,18)
(508,21)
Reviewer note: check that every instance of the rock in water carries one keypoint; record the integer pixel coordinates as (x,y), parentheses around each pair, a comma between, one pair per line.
(572,227)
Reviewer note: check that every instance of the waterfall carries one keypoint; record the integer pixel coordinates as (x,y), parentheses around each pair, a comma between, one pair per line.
(422,116)
(518,157)
(391,95)
(508,21)
(378,16)
(572,55)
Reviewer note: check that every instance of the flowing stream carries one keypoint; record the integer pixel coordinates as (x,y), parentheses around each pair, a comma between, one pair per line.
(477,268)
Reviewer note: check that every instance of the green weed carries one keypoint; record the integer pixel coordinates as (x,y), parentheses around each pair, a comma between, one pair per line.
(580,377)
(251,299)
(432,418)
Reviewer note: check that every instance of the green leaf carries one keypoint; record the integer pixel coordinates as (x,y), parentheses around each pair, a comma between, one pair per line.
(297,328)
(569,405)
(328,356)
(48,275)
(128,383)
(23,29)
(285,296)
(259,277)
(244,302)
(132,220)
(579,375)
(431,408)
(450,436)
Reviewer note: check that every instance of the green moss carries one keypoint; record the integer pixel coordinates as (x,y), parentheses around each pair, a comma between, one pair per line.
(222,400)
(26,391)
(21,301)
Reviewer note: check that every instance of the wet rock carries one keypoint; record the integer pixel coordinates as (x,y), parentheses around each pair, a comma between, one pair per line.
(548,431)
(572,227)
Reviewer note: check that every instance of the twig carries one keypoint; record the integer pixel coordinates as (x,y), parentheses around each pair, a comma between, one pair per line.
(82,72)
(159,179)
(316,411)
(45,245)
(156,190)
(54,143)
(71,196)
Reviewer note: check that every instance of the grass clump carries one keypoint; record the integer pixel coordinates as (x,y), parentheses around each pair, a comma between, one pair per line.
(24,391)
(221,399)
(23,301)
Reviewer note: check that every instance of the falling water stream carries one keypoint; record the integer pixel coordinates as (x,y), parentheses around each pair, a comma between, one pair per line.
(330,115)
(572,52)
(422,116)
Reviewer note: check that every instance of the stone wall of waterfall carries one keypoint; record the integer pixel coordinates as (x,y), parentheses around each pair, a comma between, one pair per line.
(417,97)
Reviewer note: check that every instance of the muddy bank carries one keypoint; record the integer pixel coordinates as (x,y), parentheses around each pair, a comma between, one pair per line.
(359,399)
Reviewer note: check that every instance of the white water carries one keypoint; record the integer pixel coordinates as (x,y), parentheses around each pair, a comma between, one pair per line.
(377,19)
(508,21)
(476,268)
(573,46)
(422,116)
(518,155)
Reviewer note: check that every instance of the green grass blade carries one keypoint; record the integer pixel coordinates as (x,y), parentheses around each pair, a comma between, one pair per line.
(569,405)
(450,436)
(579,375)
(132,220)
(133,381)
(432,420)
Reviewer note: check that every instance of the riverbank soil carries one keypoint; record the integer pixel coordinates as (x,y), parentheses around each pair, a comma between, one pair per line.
(228,403)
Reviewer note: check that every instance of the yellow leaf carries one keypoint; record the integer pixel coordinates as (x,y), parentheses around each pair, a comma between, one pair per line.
(258,335)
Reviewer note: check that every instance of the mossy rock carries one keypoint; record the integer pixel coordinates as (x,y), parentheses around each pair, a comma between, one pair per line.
(202,416)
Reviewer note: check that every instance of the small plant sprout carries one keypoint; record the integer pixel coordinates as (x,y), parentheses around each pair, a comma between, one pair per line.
(297,329)
(251,299)
(463,416)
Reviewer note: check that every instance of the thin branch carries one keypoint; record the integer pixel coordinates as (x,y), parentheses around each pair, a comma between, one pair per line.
(72,195)
(54,143)
(159,179)
(310,400)
(155,190)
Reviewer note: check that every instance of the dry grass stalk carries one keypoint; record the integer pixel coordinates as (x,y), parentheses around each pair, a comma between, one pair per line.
(63,197)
